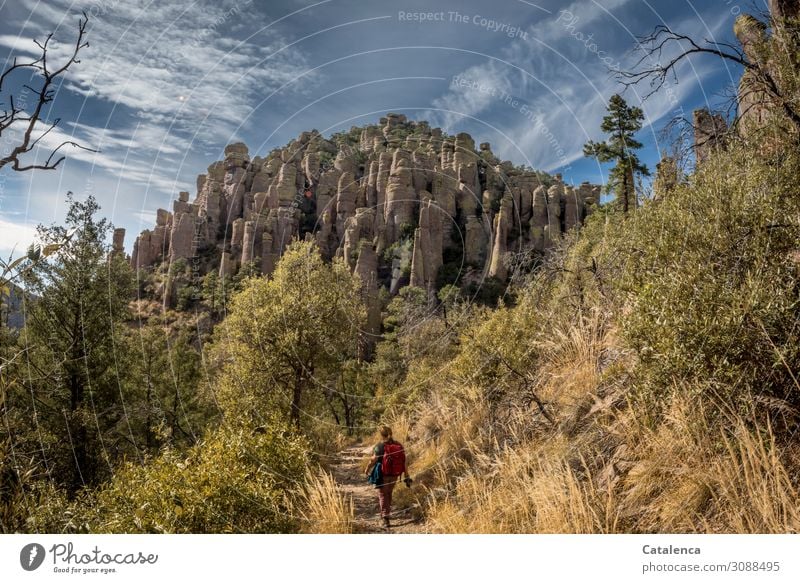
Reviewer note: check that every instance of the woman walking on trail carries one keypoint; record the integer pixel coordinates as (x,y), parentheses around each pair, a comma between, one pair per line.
(387,464)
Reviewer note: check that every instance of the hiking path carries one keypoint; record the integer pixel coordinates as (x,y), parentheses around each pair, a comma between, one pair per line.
(348,471)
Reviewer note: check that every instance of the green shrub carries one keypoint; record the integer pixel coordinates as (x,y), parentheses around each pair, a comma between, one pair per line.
(236,480)
(711,279)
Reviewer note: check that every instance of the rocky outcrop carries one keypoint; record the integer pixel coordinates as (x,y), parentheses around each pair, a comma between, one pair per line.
(150,246)
(118,242)
(426,257)
(710,133)
(769,86)
(395,201)
(502,224)
(401,197)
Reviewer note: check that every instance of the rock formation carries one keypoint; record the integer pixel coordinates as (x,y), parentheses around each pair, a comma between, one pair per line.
(118,242)
(772,48)
(710,132)
(383,198)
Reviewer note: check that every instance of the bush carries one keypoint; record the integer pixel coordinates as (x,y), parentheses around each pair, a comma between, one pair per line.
(710,280)
(236,480)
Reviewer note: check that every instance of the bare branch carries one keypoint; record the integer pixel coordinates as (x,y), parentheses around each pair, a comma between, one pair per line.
(44,96)
(651,69)
(49,164)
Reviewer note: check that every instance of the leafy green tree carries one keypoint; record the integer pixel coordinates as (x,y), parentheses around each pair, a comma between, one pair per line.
(20,466)
(167,402)
(284,337)
(347,393)
(417,344)
(82,301)
(214,294)
(621,123)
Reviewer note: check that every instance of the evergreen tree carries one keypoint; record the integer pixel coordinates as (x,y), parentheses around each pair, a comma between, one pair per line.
(81,301)
(165,389)
(621,123)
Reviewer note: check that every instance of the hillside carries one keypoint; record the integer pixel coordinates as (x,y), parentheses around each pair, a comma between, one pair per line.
(401,202)
(550,363)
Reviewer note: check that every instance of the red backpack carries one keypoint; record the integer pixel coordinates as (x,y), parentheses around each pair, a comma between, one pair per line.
(394,459)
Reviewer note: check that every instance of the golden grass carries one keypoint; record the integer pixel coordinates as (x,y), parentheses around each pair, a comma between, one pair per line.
(323,508)
(752,476)
(698,470)
(529,491)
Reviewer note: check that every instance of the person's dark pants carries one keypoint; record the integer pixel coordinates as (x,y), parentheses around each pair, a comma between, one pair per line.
(385,495)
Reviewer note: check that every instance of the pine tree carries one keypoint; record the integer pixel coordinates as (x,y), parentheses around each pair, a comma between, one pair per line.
(621,123)
(164,385)
(82,297)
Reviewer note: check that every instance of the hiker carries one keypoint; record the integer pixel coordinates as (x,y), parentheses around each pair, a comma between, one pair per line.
(387,464)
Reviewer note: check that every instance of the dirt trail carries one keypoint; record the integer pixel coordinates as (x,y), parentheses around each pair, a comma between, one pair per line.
(348,471)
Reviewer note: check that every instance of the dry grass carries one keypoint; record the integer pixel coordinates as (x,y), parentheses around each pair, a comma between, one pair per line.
(753,491)
(528,491)
(699,469)
(323,508)
(695,475)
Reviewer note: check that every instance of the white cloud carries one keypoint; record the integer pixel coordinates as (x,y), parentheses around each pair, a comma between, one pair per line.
(172,62)
(472,92)
(172,84)
(169,64)
(128,157)
(19,46)
(563,83)
(15,237)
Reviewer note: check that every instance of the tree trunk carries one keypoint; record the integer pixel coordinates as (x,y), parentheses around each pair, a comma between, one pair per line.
(297,394)
(78,436)
(348,413)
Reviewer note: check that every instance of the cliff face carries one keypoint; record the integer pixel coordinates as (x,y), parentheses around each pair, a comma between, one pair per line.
(384,197)
(772,47)
(12,312)
(765,89)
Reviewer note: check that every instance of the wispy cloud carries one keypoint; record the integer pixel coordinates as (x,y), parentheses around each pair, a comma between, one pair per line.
(161,85)
(171,62)
(15,237)
(560,82)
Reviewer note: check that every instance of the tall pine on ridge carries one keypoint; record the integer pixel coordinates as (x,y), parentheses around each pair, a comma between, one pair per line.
(621,123)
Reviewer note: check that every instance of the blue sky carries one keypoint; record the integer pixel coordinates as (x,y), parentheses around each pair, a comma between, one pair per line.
(166,84)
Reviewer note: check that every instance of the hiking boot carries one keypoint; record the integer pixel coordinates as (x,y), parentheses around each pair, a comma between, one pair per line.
(386,522)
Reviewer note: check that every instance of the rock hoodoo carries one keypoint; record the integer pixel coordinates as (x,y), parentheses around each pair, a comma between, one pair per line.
(395,200)
(762,91)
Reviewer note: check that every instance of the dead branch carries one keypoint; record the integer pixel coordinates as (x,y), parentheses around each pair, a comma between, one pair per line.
(652,68)
(16,116)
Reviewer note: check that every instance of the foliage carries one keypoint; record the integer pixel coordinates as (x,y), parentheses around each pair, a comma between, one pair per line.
(622,123)
(418,338)
(166,395)
(71,337)
(711,280)
(234,481)
(284,337)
